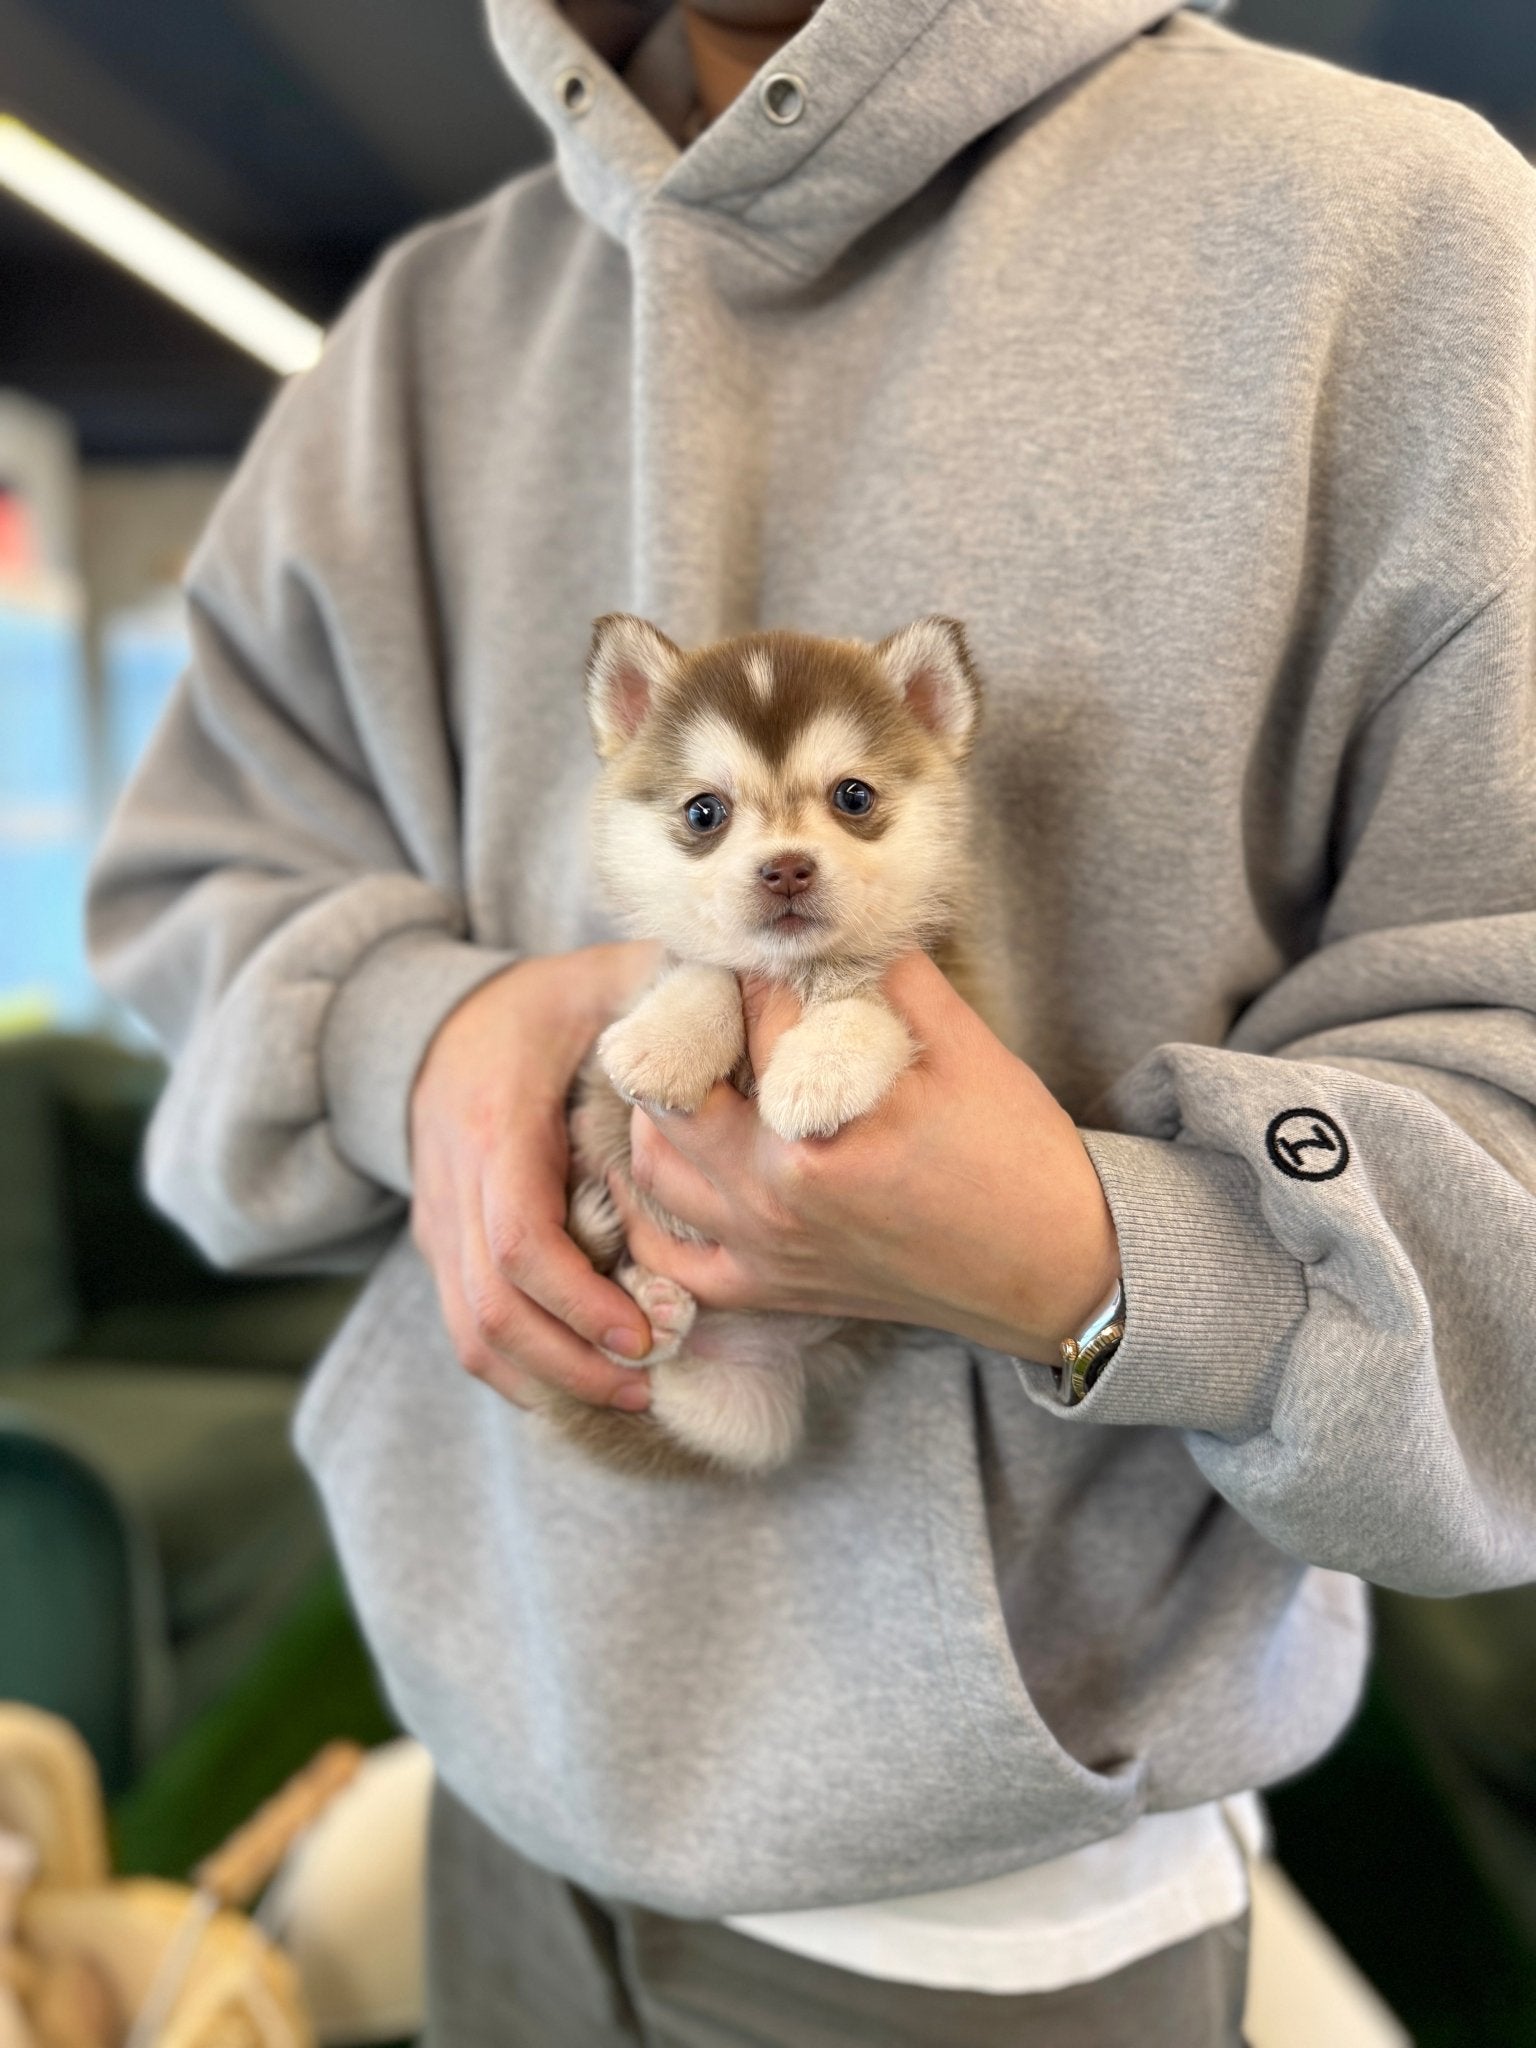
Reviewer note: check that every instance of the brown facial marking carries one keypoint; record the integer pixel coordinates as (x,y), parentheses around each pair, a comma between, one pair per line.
(809,676)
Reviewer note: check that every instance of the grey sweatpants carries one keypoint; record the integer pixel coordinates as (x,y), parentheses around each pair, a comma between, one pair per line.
(517,1958)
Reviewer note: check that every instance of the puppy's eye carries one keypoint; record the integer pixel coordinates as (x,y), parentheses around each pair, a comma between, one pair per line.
(855,799)
(706,813)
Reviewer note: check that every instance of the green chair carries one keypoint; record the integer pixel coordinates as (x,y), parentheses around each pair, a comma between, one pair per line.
(145,1470)
(81,1613)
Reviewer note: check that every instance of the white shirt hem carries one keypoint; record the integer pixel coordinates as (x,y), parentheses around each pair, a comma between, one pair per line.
(1166,1879)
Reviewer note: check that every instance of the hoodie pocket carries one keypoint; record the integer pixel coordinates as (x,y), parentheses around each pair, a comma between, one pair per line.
(969,1619)
(707,1698)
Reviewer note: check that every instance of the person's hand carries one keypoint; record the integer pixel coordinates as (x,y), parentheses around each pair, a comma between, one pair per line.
(489,1158)
(966,1201)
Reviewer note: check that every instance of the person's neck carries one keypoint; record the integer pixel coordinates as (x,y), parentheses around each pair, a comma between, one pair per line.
(726,55)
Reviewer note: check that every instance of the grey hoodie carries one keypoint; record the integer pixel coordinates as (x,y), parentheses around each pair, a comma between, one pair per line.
(1200,381)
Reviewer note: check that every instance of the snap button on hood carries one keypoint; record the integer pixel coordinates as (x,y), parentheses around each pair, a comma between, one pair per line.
(901,89)
(783,97)
(573,89)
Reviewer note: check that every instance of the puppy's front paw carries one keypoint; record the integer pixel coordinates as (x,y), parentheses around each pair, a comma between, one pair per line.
(672,1073)
(835,1065)
(685,1035)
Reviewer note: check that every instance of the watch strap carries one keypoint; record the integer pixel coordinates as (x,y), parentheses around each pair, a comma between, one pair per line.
(1085,1356)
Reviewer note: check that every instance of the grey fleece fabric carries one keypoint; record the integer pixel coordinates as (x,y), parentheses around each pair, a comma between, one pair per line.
(1200,381)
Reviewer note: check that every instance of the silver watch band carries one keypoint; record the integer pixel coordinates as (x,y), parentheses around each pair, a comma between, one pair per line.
(1084,1356)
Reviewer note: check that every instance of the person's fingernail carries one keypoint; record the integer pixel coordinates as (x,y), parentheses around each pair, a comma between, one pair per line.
(633,1398)
(627,1342)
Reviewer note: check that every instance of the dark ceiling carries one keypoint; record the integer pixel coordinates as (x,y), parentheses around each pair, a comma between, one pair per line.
(297,136)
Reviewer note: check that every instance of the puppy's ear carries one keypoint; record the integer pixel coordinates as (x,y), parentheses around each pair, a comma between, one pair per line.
(630,662)
(930,664)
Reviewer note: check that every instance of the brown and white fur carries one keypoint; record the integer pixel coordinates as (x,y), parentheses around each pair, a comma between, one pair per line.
(792,807)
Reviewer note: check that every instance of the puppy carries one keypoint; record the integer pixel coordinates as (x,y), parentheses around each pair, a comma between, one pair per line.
(793,807)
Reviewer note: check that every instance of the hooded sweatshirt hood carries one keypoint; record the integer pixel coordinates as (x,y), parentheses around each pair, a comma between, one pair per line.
(886,95)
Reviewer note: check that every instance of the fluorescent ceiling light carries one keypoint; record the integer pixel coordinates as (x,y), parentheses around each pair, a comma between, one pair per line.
(137,237)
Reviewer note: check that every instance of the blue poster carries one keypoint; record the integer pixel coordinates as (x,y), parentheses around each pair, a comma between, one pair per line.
(45,813)
(144,651)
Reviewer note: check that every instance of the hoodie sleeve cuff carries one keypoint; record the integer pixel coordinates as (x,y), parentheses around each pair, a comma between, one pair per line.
(1212,1301)
(381,1020)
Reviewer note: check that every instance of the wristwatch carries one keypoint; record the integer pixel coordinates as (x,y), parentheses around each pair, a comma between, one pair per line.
(1085,1356)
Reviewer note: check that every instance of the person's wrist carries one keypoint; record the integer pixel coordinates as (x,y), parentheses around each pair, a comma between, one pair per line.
(380,1025)
(1051,1301)
(1098,1282)
(1081,1279)
(621,969)
(459,1021)
(558,1001)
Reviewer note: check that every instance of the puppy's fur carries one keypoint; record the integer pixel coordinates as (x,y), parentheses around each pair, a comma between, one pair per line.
(793,807)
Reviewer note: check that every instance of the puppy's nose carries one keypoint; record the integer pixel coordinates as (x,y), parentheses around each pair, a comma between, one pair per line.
(788,874)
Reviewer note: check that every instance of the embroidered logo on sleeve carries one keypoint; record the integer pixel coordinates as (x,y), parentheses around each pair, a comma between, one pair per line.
(1307,1144)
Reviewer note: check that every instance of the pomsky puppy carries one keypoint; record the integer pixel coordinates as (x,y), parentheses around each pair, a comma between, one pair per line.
(794,807)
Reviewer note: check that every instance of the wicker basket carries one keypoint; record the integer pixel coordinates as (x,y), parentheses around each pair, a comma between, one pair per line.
(238,1991)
